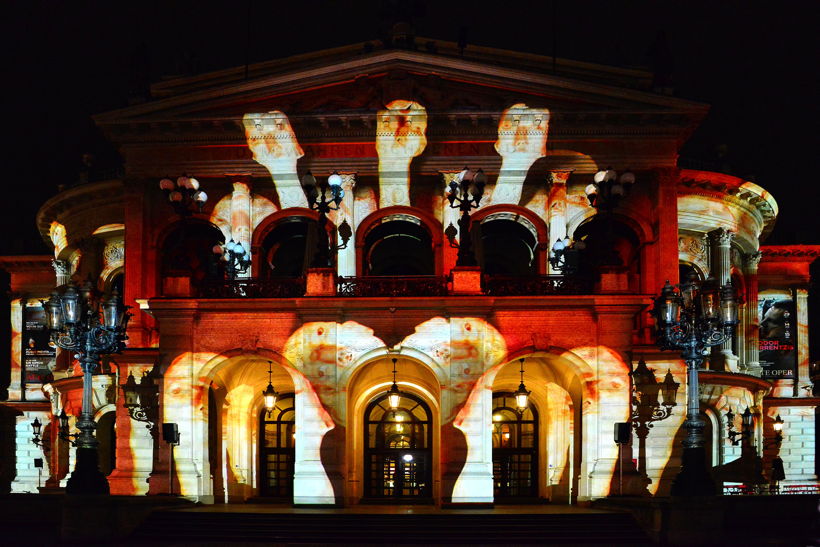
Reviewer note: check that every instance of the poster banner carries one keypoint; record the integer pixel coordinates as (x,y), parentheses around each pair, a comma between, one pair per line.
(778,329)
(39,352)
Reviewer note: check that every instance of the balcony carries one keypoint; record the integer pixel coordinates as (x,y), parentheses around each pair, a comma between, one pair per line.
(396,286)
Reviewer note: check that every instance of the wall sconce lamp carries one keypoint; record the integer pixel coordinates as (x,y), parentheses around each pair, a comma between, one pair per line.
(36,427)
(747,426)
(63,433)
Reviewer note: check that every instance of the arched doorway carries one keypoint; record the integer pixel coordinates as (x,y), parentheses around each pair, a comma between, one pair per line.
(515,449)
(398,449)
(277,433)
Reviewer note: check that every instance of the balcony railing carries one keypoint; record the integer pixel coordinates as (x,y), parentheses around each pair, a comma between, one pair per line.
(278,287)
(394,286)
(534,285)
(415,285)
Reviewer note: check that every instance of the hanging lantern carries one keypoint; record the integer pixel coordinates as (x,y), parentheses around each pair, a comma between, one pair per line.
(393,394)
(270,394)
(522,395)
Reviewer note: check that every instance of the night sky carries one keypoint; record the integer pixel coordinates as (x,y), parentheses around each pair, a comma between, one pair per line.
(754,62)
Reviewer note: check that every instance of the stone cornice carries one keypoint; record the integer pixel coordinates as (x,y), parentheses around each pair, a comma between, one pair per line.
(85,200)
(732,190)
(792,253)
(746,381)
(791,401)
(349,66)
(26,263)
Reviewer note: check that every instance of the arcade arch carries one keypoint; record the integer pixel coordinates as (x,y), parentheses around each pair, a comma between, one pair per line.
(365,403)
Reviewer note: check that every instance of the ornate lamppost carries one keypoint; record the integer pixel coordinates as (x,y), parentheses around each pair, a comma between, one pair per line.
(465,193)
(604,193)
(142,401)
(184,194)
(564,255)
(607,188)
(692,319)
(323,202)
(237,259)
(81,322)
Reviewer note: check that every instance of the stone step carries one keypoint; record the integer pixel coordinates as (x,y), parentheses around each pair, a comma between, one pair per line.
(587,529)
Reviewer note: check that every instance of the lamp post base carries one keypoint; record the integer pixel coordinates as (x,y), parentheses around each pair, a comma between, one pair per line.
(87,479)
(694,478)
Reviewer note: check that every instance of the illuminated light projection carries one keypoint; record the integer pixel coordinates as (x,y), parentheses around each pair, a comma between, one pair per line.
(107,228)
(58,235)
(135,462)
(239,213)
(273,143)
(522,139)
(400,137)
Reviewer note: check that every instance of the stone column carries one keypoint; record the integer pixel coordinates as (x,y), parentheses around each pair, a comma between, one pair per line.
(557,215)
(749,321)
(241,230)
(802,384)
(720,245)
(62,269)
(346,258)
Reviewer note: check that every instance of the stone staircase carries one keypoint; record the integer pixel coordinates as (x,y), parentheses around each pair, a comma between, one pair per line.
(315,527)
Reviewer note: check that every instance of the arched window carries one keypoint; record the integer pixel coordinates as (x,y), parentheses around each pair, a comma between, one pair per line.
(398,443)
(288,249)
(507,247)
(515,449)
(276,453)
(398,245)
(608,242)
(188,252)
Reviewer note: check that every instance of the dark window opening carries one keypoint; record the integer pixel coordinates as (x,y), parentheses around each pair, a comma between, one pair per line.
(288,249)
(188,252)
(398,247)
(507,248)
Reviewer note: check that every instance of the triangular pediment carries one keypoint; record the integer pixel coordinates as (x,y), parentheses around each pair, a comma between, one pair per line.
(351,80)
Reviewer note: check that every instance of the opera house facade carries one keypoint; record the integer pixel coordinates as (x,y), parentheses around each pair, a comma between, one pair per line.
(410,275)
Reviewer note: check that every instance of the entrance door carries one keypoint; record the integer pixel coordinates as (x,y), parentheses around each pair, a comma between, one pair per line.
(515,449)
(398,455)
(276,452)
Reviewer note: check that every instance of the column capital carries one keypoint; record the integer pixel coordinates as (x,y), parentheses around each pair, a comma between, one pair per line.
(348,180)
(558,176)
(61,267)
(721,236)
(751,260)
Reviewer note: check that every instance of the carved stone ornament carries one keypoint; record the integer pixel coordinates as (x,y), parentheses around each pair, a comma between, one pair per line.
(692,246)
(114,253)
